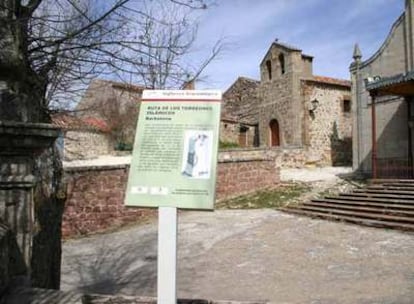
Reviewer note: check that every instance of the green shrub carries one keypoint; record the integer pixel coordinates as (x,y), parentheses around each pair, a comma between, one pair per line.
(227,145)
(121,146)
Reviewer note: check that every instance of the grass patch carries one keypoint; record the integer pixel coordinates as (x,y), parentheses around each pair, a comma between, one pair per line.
(271,198)
(227,145)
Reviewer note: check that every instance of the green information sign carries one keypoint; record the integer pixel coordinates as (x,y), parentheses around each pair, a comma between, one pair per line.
(175,151)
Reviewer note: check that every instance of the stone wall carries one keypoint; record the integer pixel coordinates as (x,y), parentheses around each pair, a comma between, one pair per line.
(395,56)
(100,91)
(29,205)
(235,133)
(79,144)
(238,176)
(280,99)
(96,194)
(96,200)
(328,127)
(283,157)
(241,100)
(229,132)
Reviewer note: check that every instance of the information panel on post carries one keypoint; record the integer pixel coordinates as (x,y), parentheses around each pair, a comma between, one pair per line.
(174,159)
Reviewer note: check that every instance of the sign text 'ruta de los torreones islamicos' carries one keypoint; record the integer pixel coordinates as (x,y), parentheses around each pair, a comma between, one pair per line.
(175,150)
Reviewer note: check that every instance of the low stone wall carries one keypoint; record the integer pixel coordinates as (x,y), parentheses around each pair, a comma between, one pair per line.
(95,200)
(240,176)
(293,157)
(79,144)
(287,157)
(96,194)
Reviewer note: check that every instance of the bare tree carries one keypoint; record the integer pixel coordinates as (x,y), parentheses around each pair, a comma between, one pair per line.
(49,49)
(159,67)
(59,45)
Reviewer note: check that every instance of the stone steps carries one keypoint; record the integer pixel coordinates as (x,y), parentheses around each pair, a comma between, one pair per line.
(377,197)
(388,205)
(364,206)
(352,219)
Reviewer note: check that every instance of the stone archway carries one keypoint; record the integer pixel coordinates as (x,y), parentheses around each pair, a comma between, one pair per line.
(274,137)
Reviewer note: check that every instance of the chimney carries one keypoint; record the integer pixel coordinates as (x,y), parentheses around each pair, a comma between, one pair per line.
(189,85)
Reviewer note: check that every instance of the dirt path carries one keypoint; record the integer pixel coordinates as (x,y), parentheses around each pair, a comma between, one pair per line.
(250,255)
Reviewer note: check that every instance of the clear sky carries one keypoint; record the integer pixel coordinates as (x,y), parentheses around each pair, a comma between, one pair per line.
(325,29)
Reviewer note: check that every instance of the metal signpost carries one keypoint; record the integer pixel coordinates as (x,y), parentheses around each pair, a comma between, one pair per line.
(174,166)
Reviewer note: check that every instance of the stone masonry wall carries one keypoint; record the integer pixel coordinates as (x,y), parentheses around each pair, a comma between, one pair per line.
(241,100)
(243,176)
(289,157)
(230,133)
(96,194)
(392,58)
(329,127)
(280,98)
(95,200)
(85,145)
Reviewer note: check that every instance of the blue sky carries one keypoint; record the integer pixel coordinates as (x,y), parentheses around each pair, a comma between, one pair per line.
(325,29)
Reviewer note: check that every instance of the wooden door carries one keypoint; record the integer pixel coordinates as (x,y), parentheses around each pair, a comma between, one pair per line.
(274,133)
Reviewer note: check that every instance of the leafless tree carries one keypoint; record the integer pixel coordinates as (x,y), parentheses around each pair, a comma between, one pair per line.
(159,67)
(49,49)
(54,47)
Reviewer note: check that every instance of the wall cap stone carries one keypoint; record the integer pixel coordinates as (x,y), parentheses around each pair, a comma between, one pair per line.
(244,159)
(16,136)
(95,168)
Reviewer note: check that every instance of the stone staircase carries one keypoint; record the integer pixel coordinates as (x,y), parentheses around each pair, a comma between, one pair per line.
(385,204)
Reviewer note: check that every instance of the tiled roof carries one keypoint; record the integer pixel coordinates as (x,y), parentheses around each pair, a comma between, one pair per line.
(249,79)
(228,118)
(97,123)
(243,81)
(329,80)
(389,81)
(286,46)
(71,122)
(127,86)
(119,85)
(236,120)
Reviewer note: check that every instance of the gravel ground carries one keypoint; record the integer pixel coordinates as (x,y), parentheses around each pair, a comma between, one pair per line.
(313,174)
(253,254)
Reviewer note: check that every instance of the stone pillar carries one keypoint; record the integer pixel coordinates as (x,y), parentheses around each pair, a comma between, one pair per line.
(20,143)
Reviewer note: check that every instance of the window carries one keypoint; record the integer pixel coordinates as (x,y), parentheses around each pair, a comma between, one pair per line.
(269,69)
(282,64)
(346,106)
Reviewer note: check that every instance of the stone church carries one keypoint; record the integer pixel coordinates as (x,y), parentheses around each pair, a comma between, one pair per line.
(290,108)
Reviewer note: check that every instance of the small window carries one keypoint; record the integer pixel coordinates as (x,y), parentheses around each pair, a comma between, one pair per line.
(282,64)
(347,106)
(269,69)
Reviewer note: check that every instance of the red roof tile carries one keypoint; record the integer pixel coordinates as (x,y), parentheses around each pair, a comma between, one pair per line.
(71,122)
(97,123)
(330,80)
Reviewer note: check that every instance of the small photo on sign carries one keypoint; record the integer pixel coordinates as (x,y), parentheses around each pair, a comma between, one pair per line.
(197,154)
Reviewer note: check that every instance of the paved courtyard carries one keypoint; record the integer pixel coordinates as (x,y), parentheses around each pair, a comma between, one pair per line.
(254,255)
(250,255)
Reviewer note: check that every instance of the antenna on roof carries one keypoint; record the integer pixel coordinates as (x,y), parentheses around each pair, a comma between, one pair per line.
(276,39)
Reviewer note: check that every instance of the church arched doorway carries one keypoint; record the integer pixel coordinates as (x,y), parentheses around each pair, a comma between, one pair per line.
(274,133)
